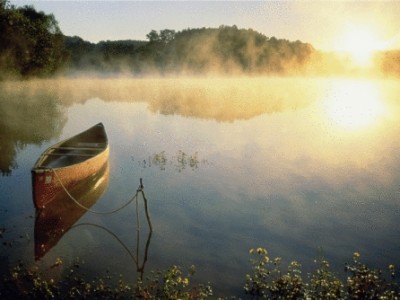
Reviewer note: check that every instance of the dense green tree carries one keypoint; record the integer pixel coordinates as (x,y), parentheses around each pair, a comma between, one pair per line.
(31,42)
(226,49)
(105,56)
(153,36)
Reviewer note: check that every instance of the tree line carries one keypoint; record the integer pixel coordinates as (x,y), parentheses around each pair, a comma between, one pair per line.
(31,42)
(223,50)
(32,45)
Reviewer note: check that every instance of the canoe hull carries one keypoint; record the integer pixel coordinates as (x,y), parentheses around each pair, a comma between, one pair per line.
(53,221)
(64,165)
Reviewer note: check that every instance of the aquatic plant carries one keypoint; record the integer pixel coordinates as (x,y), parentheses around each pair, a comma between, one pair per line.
(25,282)
(172,284)
(366,283)
(323,283)
(269,279)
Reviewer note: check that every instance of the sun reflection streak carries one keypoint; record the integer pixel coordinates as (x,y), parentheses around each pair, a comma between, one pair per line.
(354,104)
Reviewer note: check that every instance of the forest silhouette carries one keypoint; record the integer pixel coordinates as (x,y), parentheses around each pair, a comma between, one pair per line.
(33,45)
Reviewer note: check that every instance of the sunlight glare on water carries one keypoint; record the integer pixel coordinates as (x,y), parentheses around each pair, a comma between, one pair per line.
(354,104)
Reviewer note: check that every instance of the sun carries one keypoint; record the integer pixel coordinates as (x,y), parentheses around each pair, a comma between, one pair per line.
(360,43)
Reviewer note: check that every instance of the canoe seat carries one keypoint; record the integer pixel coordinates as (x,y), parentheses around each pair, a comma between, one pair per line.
(90,145)
(78,148)
(70,154)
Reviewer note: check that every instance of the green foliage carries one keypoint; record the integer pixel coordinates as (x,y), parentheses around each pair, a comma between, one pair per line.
(165,36)
(32,45)
(269,281)
(31,42)
(105,56)
(223,50)
(19,120)
(366,283)
(173,285)
(29,283)
(226,49)
(324,284)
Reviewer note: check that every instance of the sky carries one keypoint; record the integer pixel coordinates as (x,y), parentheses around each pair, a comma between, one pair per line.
(327,25)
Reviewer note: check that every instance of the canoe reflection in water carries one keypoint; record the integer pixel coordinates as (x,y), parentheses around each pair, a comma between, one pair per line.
(60,215)
(57,217)
(67,180)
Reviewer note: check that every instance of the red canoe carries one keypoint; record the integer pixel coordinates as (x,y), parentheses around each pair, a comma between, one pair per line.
(64,165)
(53,221)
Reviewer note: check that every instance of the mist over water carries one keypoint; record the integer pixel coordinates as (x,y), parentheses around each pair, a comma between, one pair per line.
(297,165)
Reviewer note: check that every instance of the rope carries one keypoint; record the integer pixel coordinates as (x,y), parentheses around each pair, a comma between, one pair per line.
(139,268)
(113,235)
(140,189)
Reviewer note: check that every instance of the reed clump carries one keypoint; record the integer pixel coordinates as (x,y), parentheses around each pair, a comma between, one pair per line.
(268,279)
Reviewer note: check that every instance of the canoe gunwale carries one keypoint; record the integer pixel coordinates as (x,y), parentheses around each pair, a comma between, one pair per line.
(52,175)
(48,152)
(86,161)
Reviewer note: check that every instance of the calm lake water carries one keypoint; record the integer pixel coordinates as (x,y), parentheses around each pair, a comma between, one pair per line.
(303,167)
